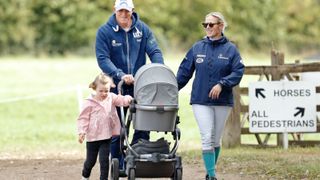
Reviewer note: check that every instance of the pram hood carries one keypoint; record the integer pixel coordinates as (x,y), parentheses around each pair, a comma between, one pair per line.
(155,84)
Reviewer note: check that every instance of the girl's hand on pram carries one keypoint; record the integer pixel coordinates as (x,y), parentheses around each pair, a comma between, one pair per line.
(81,138)
(130,98)
(128,79)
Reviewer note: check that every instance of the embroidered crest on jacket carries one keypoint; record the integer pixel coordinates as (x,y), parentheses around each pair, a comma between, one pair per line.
(138,34)
(199,60)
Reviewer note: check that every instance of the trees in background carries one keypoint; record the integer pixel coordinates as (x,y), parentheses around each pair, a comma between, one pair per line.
(69,26)
(16,36)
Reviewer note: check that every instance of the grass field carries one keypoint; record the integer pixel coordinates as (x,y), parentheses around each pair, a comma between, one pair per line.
(39,107)
(39,104)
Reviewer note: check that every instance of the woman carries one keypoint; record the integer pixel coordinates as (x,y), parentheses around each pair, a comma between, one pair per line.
(218,68)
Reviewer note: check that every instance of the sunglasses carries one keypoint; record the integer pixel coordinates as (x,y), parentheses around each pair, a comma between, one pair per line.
(205,25)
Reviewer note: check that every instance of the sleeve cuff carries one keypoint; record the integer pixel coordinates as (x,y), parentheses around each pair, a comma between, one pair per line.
(221,84)
(119,75)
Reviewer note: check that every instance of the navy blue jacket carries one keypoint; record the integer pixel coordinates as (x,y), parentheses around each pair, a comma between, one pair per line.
(213,62)
(119,52)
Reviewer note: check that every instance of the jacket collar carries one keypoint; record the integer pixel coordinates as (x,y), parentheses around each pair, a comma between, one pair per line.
(91,99)
(222,40)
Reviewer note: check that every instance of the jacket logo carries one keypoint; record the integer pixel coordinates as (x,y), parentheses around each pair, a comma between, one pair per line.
(115,44)
(199,60)
(222,57)
(116,29)
(201,55)
(137,34)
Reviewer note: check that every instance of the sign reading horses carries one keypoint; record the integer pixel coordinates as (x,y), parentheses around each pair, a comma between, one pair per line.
(282,106)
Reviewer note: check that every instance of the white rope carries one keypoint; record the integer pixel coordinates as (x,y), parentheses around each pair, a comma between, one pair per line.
(41,95)
(79,97)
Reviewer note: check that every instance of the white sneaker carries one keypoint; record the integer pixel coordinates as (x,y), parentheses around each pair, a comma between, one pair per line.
(83,178)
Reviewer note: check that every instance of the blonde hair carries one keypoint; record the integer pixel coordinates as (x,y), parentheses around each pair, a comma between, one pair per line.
(103,79)
(220,17)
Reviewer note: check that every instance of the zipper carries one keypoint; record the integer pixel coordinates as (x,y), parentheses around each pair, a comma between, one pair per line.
(128,59)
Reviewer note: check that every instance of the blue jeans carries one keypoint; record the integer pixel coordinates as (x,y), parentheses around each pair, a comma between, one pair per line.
(115,145)
(116,152)
(140,135)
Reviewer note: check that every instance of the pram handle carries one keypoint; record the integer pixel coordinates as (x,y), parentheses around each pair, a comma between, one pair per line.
(120,86)
(122,118)
(159,108)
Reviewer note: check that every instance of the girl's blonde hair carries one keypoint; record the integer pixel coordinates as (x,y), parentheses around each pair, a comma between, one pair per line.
(103,79)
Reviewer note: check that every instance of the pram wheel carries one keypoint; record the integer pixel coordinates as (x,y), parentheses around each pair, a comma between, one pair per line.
(177,174)
(115,169)
(132,174)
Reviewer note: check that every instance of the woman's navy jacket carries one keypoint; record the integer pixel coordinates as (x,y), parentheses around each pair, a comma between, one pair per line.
(214,62)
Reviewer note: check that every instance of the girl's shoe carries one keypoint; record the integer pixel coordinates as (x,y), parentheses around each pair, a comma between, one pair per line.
(83,178)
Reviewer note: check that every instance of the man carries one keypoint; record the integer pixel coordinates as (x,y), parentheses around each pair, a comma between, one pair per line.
(121,47)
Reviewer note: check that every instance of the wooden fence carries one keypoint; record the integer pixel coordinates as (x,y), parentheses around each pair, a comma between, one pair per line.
(239,116)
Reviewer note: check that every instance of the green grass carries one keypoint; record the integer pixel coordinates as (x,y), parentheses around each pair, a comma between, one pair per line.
(44,123)
(49,121)
(271,163)
(47,125)
(296,163)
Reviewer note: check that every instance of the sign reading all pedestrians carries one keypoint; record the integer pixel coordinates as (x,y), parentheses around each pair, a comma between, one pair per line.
(282,106)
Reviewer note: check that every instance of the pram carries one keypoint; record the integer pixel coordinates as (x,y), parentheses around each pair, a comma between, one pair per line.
(154,109)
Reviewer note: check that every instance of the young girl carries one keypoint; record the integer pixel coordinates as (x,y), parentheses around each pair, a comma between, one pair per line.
(98,122)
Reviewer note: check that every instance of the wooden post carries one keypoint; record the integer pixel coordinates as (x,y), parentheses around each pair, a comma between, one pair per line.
(277,58)
(232,131)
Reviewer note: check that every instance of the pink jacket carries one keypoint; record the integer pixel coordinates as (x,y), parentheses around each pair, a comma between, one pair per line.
(99,120)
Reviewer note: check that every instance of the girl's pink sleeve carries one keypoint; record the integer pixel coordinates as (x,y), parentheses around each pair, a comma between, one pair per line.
(83,119)
(120,100)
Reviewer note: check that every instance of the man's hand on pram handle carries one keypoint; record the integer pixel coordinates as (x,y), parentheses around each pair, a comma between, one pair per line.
(128,79)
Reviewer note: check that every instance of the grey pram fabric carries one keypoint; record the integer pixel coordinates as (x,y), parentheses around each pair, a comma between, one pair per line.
(155,84)
(156,95)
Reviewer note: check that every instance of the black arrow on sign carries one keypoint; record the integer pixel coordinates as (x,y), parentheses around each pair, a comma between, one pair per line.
(300,111)
(259,91)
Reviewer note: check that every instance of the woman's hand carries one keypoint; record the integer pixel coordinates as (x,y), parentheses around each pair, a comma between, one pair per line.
(215,91)
(128,79)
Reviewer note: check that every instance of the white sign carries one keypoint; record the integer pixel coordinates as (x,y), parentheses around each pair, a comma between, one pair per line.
(282,106)
(313,77)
